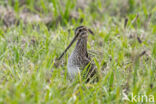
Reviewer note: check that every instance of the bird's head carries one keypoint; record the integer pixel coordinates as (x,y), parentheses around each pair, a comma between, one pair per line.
(80,33)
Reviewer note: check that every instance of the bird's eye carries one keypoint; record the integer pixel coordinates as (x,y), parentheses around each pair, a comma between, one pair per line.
(80,30)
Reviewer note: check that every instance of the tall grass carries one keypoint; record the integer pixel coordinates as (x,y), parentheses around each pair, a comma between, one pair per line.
(30,73)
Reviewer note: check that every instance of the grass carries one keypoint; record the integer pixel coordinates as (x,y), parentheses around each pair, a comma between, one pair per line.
(124,55)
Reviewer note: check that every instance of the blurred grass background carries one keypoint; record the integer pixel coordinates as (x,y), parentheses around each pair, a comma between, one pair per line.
(33,33)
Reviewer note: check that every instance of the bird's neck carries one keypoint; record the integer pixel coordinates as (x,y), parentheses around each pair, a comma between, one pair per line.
(81,46)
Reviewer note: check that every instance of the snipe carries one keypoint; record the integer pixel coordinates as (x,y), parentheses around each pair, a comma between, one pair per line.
(79,59)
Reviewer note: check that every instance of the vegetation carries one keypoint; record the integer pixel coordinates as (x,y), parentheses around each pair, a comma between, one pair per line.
(33,33)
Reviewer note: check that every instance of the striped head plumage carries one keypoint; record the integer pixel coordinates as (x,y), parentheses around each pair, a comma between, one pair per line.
(80,32)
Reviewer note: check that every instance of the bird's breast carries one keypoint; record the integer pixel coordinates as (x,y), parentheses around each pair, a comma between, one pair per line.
(73,71)
(74,64)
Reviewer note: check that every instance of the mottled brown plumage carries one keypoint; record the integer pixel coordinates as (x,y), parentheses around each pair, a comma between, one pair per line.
(79,59)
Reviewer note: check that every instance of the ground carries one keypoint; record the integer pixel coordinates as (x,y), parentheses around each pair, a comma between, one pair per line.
(33,33)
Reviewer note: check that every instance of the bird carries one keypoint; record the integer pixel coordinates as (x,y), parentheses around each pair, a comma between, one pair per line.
(79,60)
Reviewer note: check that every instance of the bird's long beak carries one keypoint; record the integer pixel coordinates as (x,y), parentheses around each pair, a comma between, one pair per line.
(74,39)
